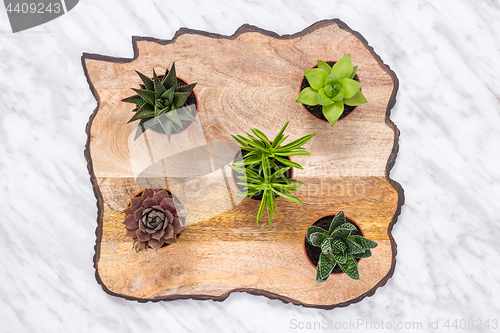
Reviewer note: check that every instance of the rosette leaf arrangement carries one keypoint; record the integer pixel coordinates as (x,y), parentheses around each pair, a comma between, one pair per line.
(152,219)
(160,102)
(264,168)
(332,87)
(339,248)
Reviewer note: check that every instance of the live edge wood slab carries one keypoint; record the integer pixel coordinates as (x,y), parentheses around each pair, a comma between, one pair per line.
(248,80)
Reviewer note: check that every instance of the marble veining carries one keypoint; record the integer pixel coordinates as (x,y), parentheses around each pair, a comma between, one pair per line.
(447,58)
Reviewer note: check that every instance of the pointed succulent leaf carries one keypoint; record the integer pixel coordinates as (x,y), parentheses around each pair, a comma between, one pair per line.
(148,83)
(261,210)
(168,95)
(270,205)
(144,114)
(354,71)
(266,170)
(149,96)
(174,117)
(278,173)
(350,268)
(249,142)
(318,277)
(333,112)
(340,258)
(323,99)
(166,124)
(331,78)
(296,144)
(287,162)
(343,68)
(365,243)
(329,91)
(159,88)
(313,229)
(357,99)
(339,96)
(145,106)
(340,233)
(262,137)
(135,99)
(324,66)
(338,220)
(353,247)
(279,136)
(326,246)
(350,87)
(286,196)
(338,246)
(265,147)
(308,96)
(281,187)
(325,265)
(316,238)
(170,79)
(316,77)
(343,227)
(293,153)
(188,88)
(280,141)
(365,254)
(180,99)
(184,113)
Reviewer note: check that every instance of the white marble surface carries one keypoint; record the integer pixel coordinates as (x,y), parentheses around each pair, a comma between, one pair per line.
(447,57)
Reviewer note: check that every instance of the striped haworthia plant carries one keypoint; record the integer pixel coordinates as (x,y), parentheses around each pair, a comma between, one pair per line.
(339,247)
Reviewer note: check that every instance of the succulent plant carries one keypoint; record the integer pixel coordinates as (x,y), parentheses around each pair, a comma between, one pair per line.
(152,219)
(259,146)
(261,171)
(332,87)
(339,247)
(270,183)
(160,101)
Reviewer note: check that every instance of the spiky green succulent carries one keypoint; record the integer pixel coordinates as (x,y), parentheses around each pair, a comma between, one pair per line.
(269,182)
(160,103)
(261,172)
(332,87)
(259,146)
(339,247)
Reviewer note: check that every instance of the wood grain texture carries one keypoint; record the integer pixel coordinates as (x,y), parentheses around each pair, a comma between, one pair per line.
(247,80)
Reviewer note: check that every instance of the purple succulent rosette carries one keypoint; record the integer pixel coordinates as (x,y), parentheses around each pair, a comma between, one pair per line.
(152,219)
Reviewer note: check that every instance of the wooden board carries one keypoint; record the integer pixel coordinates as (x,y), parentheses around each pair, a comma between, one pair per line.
(248,80)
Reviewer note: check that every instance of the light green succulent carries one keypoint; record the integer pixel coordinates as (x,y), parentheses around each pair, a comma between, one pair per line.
(161,102)
(332,87)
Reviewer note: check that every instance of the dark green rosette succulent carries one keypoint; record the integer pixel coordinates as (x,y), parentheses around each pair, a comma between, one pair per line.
(160,103)
(332,87)
(339,247)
